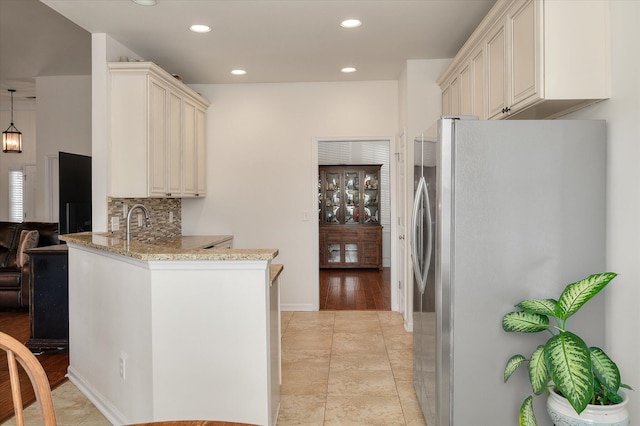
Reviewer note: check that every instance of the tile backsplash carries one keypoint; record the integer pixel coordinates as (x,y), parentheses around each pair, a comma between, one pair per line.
(166,218)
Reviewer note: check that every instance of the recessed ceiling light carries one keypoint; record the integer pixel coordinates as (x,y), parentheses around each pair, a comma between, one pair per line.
(238,72)
(350,23)
(146,2)
(348,69)
(200,28)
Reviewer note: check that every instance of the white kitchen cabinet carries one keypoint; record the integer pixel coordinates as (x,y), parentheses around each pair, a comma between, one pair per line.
(201,173)
(465,90)
(514,57)
(464,94)
(193,162)
(157,132)
(544,58)
(446,100)
(451,98)
(496,65)
(478,84)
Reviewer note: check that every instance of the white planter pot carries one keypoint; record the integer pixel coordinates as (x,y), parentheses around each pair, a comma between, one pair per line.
(563,414)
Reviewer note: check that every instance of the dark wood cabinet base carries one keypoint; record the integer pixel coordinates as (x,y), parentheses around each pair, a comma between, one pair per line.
(49,307)
(344,246)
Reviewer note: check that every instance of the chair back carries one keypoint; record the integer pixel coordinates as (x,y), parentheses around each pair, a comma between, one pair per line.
(19,353)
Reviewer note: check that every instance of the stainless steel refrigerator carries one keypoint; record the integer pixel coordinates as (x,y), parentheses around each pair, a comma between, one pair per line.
(504,211)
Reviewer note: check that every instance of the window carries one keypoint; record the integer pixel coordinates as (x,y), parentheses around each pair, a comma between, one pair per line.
(16,192)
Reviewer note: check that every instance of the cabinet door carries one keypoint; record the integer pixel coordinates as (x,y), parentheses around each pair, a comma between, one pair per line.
(189,164)
(371,197)
(496,64)
(525,56)
(174,146)
(333,255)
(201,153)
(478,86)
(446,101)
(352,181)
(455,96)
(157,137)
(331,198)
(466,91)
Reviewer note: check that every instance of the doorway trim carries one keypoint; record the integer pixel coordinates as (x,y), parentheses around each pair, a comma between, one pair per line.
(391,141)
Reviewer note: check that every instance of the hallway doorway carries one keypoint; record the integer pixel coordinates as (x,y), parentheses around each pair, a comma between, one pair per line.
(346,289)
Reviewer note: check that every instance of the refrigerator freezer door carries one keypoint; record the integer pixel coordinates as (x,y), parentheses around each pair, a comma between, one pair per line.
(521,214)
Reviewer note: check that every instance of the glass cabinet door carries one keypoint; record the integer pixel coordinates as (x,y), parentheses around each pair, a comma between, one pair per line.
(351,253)
(371,197)
(352,196)
(331,197)
(334,254)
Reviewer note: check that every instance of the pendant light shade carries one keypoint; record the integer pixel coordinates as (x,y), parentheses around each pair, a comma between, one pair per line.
(12,137)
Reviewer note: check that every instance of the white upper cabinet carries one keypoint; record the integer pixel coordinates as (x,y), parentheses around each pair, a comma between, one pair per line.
(478,86)
(157,133)
(496,65)
(542,59)
(465,93)
(193,161)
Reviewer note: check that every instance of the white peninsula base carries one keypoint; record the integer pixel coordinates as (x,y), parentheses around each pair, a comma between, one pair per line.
(154,340)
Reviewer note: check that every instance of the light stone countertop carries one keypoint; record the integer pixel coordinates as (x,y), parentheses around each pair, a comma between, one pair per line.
(181,248)
(276,269)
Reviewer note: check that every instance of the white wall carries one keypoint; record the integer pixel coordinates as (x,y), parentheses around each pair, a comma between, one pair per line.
(261,175)
(420,106)
(63,106)
(24,118)
(622,113)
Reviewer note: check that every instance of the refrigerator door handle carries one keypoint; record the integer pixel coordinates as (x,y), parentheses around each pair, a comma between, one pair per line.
(416,252)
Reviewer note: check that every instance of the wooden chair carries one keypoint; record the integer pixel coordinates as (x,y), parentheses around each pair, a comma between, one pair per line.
(192,423)
(17,352)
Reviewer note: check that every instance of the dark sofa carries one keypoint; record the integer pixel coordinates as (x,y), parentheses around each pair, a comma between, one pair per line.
(14,280)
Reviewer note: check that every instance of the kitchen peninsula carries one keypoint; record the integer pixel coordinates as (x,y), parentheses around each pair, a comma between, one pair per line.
(173,330)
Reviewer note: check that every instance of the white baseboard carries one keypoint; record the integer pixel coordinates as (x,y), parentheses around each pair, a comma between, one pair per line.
(112,414)
(295,307)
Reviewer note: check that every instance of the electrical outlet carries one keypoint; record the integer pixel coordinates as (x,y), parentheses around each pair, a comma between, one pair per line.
(139,219)
(170,217)
(125,210)
(115,223)
(123,365)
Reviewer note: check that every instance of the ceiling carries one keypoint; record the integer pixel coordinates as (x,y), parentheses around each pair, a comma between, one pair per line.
(273,40)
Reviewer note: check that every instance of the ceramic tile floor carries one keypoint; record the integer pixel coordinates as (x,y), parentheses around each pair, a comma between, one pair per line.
(338,368)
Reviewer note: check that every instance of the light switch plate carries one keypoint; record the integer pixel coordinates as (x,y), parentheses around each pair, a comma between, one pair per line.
(115,223)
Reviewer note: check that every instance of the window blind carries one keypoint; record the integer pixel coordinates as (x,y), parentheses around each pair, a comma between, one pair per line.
(16,195)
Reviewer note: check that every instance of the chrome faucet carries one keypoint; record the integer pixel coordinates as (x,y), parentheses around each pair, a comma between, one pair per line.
(146,215)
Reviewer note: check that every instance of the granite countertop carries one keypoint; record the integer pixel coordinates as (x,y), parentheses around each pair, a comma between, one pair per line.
(180,248)
(276,269)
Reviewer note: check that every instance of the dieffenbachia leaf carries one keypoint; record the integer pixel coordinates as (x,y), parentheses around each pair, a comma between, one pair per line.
(575,295)
(569,364)
(525,322)
(512,365)
(605,370)
(527,418)
(538,306)
(538,375)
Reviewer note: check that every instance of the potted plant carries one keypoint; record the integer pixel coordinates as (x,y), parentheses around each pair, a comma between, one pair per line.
(565,365)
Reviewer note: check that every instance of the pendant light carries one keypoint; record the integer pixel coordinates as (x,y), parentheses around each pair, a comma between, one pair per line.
(12,137)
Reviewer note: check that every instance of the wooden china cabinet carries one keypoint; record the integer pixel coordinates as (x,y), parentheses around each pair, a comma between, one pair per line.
(349,209)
